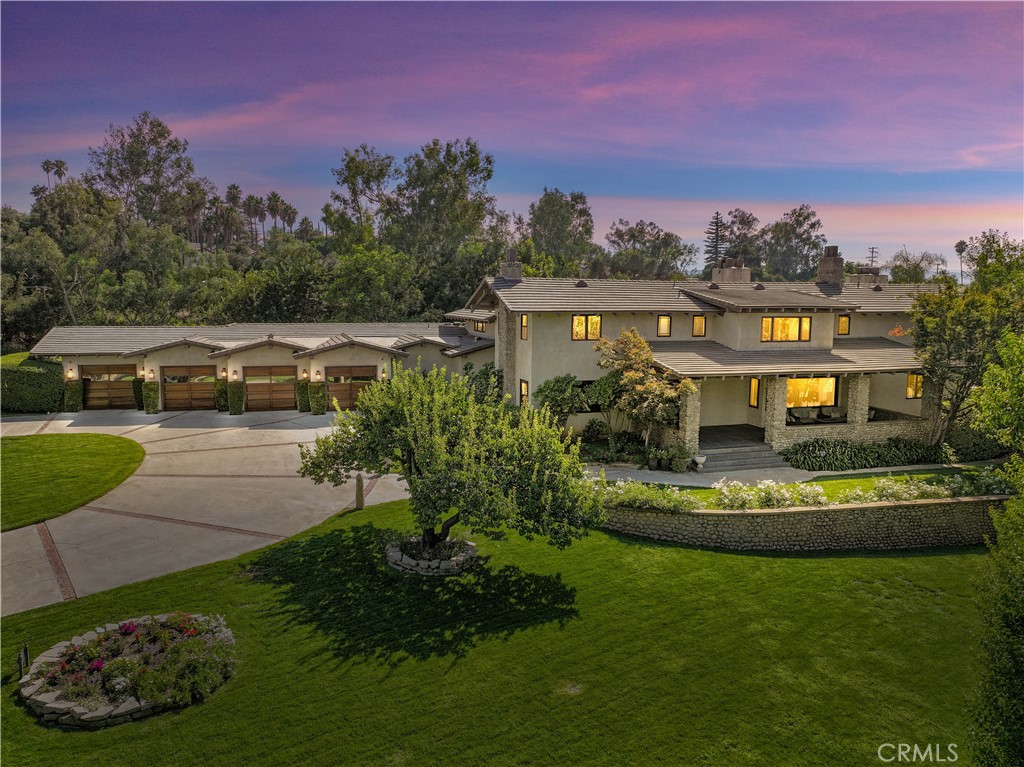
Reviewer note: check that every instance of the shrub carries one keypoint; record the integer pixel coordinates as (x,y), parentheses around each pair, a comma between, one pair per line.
(220,394)
(317,397)
(595,430)
(563,396)
(901,451)
(30,388)
(984,482)
(767,494)
(302,396)
(972,445)
(629,494)
(151,396)
(236,397)
(74,393)
(843,455)
(140,402)
(679,457)
(890,489)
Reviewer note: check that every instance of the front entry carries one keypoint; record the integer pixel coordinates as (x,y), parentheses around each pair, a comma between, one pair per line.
(345,383)
(189,388)
(108,386)
(270,388)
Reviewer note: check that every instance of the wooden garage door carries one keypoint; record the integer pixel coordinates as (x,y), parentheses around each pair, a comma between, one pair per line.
(108,386)
(345,383)
(269,388)
(189,388)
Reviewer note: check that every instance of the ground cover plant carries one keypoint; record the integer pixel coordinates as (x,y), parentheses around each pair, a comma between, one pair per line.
(39,482)
(615,651)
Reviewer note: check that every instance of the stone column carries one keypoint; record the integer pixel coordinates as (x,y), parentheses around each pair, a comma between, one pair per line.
(774,411)
(505,336)
(689,418)
(858,395)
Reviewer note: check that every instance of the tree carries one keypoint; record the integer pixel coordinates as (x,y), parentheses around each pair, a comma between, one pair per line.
(996,262)
(743,238)
(233,195)
(374,285)
(252,207)
(288,215)
(791,247)
(306,231)
(275,205)
(563,396)
(604,394)
(485,465)
(145,167)
(561,227)
(48,167)
(906,267)
(365,177)
(999,401)
(714,241)
(60,170)
(643,251)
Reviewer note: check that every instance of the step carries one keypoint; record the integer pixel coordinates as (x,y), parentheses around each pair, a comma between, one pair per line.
(758,448)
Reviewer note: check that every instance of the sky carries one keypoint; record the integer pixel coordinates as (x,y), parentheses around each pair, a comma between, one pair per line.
(899,123)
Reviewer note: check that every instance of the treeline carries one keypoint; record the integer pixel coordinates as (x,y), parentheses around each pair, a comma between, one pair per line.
(140,238)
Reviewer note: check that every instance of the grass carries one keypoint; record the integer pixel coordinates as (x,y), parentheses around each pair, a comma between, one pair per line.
(47,475)
(615,652)
(14,359)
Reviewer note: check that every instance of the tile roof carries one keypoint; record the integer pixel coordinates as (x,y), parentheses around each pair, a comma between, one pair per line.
(541,294)
(740,297)
(468,346)
(477,315)
(699,359)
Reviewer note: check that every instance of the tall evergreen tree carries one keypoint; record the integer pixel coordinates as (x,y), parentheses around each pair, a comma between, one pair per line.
(714,241)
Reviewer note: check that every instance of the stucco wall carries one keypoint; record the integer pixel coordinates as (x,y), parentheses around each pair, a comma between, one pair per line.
(74,362)
(878,326)
(724,401)
(880,526)
(889,391)
(743,331)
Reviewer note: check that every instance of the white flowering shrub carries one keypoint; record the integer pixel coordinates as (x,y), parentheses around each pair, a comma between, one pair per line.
(629,494)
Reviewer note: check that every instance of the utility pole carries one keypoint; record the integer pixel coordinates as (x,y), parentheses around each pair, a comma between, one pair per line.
(872,255)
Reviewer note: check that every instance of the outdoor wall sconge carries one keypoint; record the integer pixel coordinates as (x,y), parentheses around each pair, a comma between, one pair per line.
(223,372)
(305,374)
(152,374)
(71,374)
(318,375)
(234,375)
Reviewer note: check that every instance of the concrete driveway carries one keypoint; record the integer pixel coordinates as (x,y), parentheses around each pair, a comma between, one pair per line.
(211,486)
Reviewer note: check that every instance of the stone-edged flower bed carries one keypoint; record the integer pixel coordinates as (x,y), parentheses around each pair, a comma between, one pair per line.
(449,558)
(129,670)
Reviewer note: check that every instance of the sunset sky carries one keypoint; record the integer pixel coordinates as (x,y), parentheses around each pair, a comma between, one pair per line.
(898,123)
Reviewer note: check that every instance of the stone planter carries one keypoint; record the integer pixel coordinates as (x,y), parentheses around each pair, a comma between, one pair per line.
(457,564)
(698,462)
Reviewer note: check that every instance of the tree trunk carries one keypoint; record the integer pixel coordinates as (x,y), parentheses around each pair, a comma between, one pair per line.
(432,537)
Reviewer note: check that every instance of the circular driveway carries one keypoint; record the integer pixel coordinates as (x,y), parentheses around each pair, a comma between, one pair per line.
(211,487)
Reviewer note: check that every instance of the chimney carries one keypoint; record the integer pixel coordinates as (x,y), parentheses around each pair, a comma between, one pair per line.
(730,270)
(830,266)
(511,269)
(867,275)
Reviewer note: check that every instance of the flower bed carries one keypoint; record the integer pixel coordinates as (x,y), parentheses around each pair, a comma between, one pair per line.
(129,670)
(451,558)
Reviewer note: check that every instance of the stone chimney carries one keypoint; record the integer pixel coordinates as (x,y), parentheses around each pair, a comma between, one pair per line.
(730,270)
(511,269)
(830,266)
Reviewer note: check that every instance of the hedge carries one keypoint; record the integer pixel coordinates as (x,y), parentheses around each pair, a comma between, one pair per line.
(74,393)
(220,394)
(302,396)
(140,402)
(151,396)
(236,397)
(30,388)
(317,397)
(843,455)
(972,445)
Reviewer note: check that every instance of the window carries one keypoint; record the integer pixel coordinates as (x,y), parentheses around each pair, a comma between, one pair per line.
(785,329)
(844,325)
(586,327)
(479,327)
(915,386)
(664,325)
(810,392)
(699,329)
(524,326)
(755,391)
(524,392)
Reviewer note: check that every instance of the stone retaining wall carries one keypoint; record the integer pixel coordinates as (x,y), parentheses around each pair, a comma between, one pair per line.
(453,566)
(887,525)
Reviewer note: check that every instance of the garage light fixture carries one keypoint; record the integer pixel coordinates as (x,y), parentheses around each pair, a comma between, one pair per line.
(152,374)
(318,375)
(71,374)
(223,372)
(305,374)
(234,375)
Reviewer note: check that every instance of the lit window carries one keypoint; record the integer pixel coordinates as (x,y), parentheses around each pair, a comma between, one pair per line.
(524,391)
(810,392)
(915,386)
(524,326)
(755,390)
(844,325)
(586,327)
(785,328)
(479,327)
(664,325)
(700,327)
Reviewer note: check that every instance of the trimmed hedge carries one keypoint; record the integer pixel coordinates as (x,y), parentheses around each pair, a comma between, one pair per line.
(140,402)
(317,397)
(972,445)
(843,455)
(30,388)
(151,396)
(236,397)
(74,394)
(220,394)
(302,396)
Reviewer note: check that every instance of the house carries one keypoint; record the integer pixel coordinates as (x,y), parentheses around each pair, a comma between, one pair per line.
(793,361)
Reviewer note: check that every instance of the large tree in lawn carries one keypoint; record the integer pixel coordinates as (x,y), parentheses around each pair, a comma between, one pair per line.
(484,464)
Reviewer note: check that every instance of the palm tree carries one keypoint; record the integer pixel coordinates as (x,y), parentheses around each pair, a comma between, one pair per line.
(275,205)
(263,217)
(288,215)
(60,170)
(305,232)
(48,166)
(251,207)
(233,195)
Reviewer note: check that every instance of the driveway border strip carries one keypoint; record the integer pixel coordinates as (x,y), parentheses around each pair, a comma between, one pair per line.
(67,588)
(46,423)
(216,430)
(225,447)
(151,423)
(186,522)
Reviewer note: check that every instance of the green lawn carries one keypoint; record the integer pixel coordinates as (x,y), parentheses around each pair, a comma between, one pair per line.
(14,359)
(47,475)
(615,652)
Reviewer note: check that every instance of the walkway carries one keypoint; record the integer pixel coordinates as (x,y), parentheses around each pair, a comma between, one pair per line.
(211,487)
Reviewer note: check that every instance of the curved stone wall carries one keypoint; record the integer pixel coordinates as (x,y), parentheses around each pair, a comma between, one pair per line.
(879,526)
(453,566)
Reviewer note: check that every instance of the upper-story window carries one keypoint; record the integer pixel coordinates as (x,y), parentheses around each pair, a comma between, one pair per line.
(664,325)
(480,327)
(915,386)
(524,327)
(586,327)
(843,328)
(785,328)
(700,326)
(524,392)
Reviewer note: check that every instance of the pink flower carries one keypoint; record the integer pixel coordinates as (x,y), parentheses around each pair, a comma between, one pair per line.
(96,665)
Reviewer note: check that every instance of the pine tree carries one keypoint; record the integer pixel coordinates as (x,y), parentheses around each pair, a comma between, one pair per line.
(715,241)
